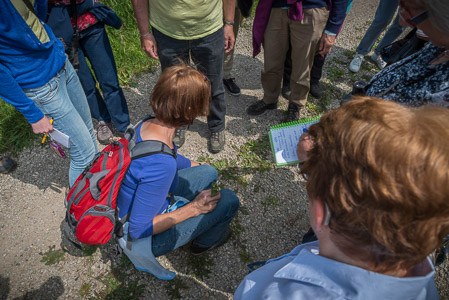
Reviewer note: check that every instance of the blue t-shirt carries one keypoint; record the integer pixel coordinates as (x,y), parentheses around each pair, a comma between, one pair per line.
(146,185)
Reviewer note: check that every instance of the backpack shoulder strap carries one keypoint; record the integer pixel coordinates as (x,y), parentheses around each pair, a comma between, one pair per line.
(147,148)
(130,133)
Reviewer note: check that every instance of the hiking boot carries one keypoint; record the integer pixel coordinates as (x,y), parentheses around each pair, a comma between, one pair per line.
(286,92)
(216,141)
(180,136)
(197,250)
(259,107)
(356,63)
(316,90)
(6,164)
(377,58)
(232,87)
(104,132)
(293,112)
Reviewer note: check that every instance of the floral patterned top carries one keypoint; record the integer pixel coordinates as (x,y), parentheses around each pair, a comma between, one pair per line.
(413,81)
(84,20)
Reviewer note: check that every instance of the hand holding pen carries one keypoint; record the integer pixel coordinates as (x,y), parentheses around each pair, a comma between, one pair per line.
(46,133)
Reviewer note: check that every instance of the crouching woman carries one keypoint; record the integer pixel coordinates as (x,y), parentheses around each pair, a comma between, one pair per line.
(168,198)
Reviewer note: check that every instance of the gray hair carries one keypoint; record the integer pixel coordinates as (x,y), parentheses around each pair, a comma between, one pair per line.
(438,13)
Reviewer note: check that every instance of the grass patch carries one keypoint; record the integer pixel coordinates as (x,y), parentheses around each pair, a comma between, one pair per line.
(335,74)
(89,250)
(85,290)
(251,158)
(125,43)
(349,54)
(52,256)
(122,288)
(339,61)
(15,132)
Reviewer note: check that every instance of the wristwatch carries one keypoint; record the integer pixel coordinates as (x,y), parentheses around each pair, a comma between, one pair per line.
(228,23)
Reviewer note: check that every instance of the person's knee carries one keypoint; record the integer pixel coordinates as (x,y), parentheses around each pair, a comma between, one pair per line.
(209,172)
(230,199)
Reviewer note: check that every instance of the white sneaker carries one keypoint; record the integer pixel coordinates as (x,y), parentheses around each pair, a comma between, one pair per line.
(380,63)
(356,62)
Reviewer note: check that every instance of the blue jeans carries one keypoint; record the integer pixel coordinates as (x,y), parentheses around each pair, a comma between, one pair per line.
(94,45)
(207,53)
(62,98)
(206,229)
(384,14)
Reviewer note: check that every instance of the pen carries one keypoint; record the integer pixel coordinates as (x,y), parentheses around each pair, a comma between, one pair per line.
(45,136)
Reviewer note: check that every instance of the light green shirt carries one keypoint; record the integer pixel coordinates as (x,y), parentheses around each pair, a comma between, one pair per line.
(186,19)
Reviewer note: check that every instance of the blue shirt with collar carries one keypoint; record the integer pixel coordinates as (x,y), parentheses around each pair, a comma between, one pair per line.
(303,274)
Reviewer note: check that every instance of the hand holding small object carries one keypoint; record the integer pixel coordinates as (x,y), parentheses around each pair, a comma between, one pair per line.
(46,133)
(205,202)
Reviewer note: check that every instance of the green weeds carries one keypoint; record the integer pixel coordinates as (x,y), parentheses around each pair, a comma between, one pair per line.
(174,288)
(200,265)
(85,290)
(15,132)
(237,240)
(335,74)
(52,256)
(269,202)
(251,157)
(118,287)
(349,54)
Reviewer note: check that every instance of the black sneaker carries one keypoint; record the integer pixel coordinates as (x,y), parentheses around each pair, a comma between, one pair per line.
(259,107)
(293,112)
(232,87)
(216,141)
(196,250)
(180,137)
(286,92)
(316,90)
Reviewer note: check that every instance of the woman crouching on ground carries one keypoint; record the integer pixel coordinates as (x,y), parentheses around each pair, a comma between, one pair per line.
(377,180)
(155,182)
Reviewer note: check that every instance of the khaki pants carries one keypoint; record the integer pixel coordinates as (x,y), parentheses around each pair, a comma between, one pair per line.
(304,37)
(229,57)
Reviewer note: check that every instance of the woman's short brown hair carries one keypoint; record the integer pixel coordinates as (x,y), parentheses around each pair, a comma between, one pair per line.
(181,94)
(383,170)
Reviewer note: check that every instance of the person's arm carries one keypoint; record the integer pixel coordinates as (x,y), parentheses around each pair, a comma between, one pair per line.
(334,23)
(147,40)
(12,93)
(150,198)
(228,15)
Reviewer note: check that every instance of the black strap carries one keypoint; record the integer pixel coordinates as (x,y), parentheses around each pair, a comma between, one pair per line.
(147,148)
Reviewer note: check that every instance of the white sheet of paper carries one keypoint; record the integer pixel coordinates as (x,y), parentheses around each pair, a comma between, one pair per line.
(60,138)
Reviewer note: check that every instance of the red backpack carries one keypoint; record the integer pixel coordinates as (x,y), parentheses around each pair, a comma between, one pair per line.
(92,214)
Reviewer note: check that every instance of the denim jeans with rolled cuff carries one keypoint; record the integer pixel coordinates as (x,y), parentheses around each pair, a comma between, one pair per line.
(384,14)
(95,46)
(207,53)
(63,99)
